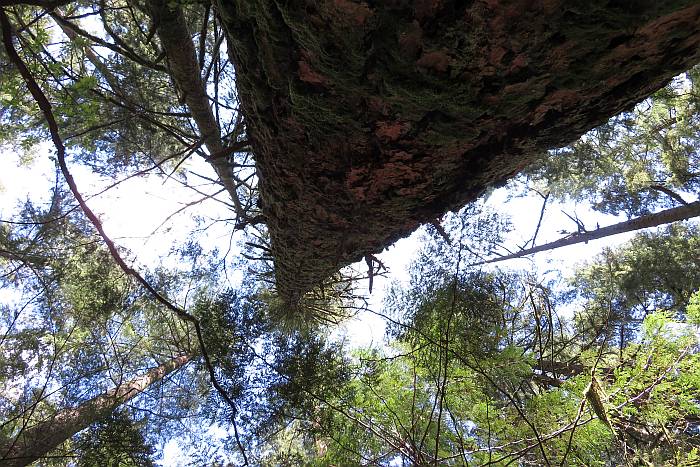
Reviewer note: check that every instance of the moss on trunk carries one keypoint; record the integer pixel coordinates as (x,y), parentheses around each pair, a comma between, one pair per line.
(370,118)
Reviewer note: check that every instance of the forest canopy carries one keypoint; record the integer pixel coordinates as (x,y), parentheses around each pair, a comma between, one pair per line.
(189,346)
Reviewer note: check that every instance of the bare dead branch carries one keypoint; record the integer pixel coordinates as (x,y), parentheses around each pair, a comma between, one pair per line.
(651,220)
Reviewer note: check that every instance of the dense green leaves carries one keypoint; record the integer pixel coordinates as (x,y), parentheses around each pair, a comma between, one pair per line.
(433,398)
(116,441)
(653,272)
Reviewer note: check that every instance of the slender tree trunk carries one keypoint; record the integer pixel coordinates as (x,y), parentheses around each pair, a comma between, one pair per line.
(680,213)
(37,440)
(179,49)
(368,119)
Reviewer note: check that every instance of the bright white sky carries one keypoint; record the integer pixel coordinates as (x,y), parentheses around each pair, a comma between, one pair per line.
(133,210)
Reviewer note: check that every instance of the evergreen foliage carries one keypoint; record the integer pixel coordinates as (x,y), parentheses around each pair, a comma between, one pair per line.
(115,441)
(480,366)
(639,161)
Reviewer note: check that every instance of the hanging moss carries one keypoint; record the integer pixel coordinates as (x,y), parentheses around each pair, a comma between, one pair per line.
(598,399)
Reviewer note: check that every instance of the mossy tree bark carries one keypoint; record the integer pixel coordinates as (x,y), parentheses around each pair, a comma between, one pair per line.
(370,118)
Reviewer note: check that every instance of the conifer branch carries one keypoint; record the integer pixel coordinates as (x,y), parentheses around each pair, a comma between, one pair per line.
(45,107)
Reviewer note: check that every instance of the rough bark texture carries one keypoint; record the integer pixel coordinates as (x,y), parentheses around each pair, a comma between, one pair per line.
(36,441)
(370,118)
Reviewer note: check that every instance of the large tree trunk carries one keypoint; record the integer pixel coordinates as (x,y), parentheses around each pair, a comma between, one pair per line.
(370,118)
(37,440)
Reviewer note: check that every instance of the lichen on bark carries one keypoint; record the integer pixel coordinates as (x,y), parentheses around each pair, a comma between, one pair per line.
(370,118)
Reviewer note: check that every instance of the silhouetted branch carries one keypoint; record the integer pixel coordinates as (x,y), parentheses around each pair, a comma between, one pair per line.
(669,192)
(45,107)
(651,220)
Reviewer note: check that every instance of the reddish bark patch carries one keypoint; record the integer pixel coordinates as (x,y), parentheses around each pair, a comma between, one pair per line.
(399,175)
(563,97)
(559,101)
(307,75)
(391,131)
(496,55)
(437,60)
(355,12)
(520,61)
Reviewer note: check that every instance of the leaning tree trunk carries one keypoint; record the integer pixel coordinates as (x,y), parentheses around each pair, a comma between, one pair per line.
(370,118)
(177,44)
(36,441)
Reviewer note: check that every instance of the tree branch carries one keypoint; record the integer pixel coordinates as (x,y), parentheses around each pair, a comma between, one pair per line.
(688,211)
(34,442)
(539,222)
(45,107)
(185,71)
(669,192)
(128,53)
(47,4)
